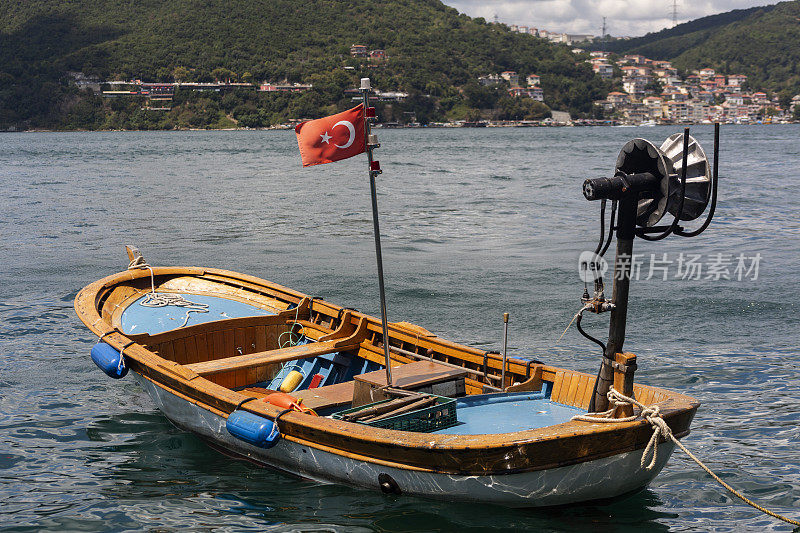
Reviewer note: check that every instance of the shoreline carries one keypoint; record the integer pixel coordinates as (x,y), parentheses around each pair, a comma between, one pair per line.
(417,127)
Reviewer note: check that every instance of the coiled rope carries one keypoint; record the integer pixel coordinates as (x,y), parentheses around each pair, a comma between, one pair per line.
(164,299)
(660,429)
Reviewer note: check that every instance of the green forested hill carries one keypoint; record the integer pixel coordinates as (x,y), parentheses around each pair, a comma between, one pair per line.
(761,42)
(672,42)
(432,50)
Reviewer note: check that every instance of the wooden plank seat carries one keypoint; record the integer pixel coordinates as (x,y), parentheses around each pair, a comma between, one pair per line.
(258,392)
(281,355)
(318,398)
(343,339)
(327,396)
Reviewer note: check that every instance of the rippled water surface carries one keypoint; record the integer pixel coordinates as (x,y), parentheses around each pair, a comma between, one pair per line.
(475,223)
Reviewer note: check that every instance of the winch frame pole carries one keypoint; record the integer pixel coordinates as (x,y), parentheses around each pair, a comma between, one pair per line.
(374,170)
(626,231)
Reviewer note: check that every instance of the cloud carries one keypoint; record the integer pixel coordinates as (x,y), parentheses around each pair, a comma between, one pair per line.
(623,17)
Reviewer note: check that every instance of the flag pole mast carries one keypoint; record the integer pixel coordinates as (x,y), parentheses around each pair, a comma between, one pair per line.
(374,170)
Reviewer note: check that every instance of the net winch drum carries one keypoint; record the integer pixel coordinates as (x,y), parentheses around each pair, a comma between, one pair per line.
(666,163)
(648,182)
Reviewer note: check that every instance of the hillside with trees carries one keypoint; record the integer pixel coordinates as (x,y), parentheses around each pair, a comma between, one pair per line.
(433,53)
(761,42)
(669,43)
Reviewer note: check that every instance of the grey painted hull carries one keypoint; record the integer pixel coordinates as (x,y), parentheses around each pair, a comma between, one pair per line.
(592,480)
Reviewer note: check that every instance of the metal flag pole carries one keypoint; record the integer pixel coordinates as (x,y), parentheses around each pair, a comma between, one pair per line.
(505,352)
(375,169)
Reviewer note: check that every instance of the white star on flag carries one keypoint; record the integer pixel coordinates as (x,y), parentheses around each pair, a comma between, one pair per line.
(325,137)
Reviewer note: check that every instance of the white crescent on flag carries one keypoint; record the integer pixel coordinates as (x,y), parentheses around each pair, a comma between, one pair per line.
(352,131)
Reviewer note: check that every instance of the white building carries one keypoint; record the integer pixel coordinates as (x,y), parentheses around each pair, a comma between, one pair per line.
(511,77)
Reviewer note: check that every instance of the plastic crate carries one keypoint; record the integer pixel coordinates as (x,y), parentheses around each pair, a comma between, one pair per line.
(440,415)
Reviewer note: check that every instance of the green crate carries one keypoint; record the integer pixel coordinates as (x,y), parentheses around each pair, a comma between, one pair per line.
(438,416)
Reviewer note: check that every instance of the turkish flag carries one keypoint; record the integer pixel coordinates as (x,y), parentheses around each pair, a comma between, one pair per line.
(332,138)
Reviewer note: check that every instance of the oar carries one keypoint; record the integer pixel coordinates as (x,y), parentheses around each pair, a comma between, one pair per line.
(419,404)
(380,409)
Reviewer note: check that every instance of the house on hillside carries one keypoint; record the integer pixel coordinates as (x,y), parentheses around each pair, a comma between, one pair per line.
(527,92)
(617,98)
(636,59)
(511,77)
(734,99)
(705,96)
(358,50)
(270,87)
(737,80)
(634,87)
(676,111)
(604,70)
(653,104)
(489,80)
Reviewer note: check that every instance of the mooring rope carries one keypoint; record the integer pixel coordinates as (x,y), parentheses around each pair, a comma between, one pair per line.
(579,313)
(139,263)
(164,299)
(660,429)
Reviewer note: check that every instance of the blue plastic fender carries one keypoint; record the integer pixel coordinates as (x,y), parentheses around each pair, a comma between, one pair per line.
(109,360)
(253,429)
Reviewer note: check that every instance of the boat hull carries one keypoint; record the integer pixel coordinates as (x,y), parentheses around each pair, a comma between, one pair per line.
(200,373)
(598,479)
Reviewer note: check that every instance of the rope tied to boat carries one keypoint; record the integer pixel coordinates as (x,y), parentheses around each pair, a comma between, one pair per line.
(138,263)
(164,299)
(579,313)
(652,415)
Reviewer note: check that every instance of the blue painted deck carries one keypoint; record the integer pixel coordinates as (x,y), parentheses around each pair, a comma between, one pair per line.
(139,319)
(517,411)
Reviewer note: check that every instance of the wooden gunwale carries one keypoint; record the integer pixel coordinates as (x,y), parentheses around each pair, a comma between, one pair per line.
(538,449)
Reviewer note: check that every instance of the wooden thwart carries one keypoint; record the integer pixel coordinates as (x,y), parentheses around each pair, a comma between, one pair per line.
(281,355)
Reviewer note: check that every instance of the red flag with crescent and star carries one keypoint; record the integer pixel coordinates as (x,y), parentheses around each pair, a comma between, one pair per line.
(332,138)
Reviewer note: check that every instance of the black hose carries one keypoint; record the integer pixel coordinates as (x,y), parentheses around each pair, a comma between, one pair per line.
(602,346)
(582,332)
(602,226)
(610,227)
(715,178)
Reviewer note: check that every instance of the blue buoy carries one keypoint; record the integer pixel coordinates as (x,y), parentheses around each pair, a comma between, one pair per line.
(253,429)
(109,360)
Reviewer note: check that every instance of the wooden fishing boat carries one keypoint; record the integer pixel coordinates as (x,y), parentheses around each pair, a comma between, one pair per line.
(520,447)
(269,374)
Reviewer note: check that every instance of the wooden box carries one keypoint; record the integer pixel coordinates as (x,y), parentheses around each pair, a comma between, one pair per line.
(420,376)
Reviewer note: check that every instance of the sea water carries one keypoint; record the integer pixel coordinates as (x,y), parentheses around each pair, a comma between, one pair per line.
(475,222)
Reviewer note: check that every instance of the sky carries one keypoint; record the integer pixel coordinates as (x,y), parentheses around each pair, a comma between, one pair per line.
(623,17)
